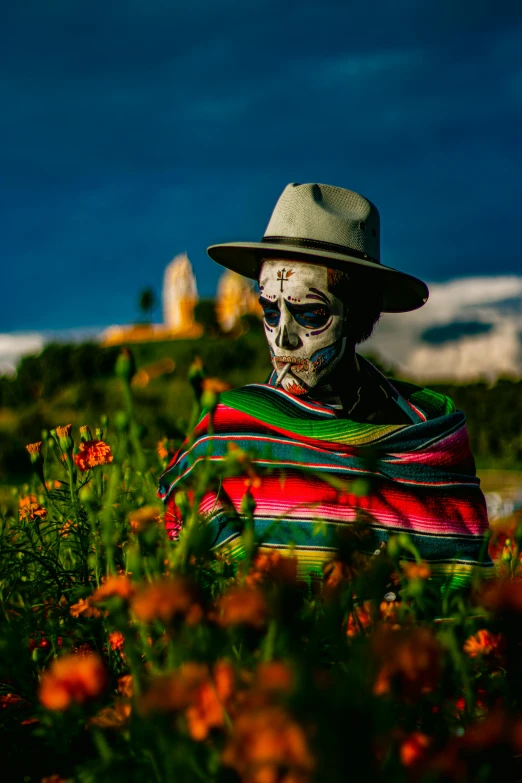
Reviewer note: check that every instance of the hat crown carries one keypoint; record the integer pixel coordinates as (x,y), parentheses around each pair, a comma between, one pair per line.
(326,214)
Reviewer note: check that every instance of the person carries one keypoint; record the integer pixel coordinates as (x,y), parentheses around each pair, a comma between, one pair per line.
(328,440)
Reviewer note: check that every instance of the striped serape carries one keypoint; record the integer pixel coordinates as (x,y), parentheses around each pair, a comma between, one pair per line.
(421,478)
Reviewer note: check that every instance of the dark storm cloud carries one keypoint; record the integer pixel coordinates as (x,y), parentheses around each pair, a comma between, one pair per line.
(133,131)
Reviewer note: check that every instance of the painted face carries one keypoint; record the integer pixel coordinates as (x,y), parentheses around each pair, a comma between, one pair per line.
(303,322)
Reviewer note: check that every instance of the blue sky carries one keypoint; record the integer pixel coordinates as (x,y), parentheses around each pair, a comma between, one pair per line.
(133,131)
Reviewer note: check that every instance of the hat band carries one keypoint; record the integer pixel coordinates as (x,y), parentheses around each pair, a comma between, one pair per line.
(318,244)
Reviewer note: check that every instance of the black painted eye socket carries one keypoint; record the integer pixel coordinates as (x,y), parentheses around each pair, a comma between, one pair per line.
(271,312)
(309,316)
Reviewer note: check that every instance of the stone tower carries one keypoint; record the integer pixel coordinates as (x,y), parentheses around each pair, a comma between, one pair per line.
(180,295)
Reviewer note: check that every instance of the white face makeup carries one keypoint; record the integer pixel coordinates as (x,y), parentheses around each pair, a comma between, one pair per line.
(303,322)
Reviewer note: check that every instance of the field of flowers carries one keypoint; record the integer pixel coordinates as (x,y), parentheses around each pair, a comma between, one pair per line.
(125,656)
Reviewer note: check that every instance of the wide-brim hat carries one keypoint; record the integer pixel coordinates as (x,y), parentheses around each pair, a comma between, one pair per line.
(322,224)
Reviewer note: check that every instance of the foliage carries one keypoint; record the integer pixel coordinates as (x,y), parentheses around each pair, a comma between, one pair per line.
(127,656)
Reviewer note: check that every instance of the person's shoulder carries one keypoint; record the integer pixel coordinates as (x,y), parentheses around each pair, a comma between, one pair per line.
(431,402)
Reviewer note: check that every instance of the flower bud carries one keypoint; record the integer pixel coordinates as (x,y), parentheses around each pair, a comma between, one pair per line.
(121,421)
(85,433)
(209,400)
(125,366)
(64,438)
(35,452)
(248,504)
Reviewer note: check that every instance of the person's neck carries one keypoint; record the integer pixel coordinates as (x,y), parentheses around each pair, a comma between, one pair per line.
(340,389)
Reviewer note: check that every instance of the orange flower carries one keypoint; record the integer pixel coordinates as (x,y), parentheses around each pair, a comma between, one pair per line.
(72,679)
(82,650)
(143,518)
(84,608)
(414,748)
(389,611)
(483,643)
(215,385)
(335,575)
(274,676)
(114,586)
(161,449)
(410,661)
(265,744)
(92,453)
(416,570)
(126,686)
(166,600)
(271,566)
(54,779)
(503,596)
(68,526)
(35,452)
(175,691)
(360,618)
(241,606)
(116,717)
(10,699)
(116,641)
(29,507)
(207,710)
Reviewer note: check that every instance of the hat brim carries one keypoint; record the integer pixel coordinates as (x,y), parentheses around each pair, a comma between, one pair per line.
(401,292)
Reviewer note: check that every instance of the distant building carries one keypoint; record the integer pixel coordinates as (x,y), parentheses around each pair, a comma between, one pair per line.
(180,295)
(235,297)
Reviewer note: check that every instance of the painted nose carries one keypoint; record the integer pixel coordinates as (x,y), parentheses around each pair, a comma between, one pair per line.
(287,336)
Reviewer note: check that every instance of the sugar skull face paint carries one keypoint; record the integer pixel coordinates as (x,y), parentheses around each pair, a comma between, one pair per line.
(303,322)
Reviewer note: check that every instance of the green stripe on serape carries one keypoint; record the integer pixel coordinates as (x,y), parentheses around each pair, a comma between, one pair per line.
(275,410)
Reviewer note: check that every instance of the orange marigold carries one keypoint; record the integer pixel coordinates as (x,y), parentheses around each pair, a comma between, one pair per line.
(410,660)
(116,717)
(84,608)
(207,710)
(503,596)
(29,507)
(265,744)
(72,679)
(175,691)
(126,686)
(114,586)
(116,641)
(414,748)
(274,676)
(166,600)
(215,385)
(360,618)
(143,518)
(483,643)
(273,567)
(92,453)
(161,449)
(420,570)
(241,606)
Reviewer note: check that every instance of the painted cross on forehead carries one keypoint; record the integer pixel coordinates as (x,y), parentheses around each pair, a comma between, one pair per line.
(303,323)
(281,276)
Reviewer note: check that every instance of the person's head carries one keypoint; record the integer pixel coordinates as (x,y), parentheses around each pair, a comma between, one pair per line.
(313,316)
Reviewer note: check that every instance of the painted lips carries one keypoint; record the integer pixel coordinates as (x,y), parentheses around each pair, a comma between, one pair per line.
(295,361)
